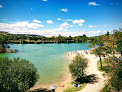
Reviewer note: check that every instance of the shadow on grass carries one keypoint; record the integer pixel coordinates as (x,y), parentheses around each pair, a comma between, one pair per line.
(88,79)
(40,90)
(106,69)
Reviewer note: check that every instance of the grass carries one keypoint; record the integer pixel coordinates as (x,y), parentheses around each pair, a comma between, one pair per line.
(105,68)
(73,89)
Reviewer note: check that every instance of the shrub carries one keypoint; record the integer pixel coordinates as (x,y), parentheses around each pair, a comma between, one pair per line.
(2,50)
(16,75)
(78,66)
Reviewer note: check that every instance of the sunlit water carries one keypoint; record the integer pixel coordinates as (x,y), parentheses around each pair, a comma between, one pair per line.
(49,59)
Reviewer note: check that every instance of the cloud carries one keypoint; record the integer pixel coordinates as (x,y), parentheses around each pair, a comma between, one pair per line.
(37,21)
(91,26)
(1,6)
(93,3)
(44,0)
(105,25)
(59,18)
(20,25)
(96,25)
(34,25)
(64,24)
(79,22)
(71,25)
(68,20)
(49,21)
(23,28)
(64,10)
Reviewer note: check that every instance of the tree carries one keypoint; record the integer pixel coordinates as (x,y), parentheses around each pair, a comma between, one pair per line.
(99,50)
(116,75)
(78,66)
(16,75)
(69,38)
(59,38)
(3,39)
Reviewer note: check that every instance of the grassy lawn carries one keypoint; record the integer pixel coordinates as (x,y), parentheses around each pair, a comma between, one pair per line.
(73,89)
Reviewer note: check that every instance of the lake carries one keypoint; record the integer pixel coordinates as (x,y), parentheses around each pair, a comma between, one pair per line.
(49,59)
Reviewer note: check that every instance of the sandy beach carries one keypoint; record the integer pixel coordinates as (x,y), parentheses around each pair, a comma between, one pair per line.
(91,70)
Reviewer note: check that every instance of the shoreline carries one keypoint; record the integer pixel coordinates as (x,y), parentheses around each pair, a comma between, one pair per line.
(91,70)
(63,83)
(66,81)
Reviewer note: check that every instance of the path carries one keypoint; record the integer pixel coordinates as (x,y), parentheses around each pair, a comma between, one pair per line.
(92,69)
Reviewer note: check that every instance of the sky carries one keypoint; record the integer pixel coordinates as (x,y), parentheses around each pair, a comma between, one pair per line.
(60,17)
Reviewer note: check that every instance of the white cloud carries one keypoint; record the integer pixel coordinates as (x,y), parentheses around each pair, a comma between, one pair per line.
(59,18)
(68,20)
(49,21)
(71,25)
(37,21)
(96,25)
(44,0)
(34,25)
(64,10)
(105,25)
(91,26)
(79,22)
(64,24)
(20,25)
(50,32)
(93,3)
(1,6)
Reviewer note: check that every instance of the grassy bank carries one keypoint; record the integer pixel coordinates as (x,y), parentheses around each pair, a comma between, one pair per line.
(74,89)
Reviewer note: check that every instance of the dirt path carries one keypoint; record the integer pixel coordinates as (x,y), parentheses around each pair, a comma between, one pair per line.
(97,85)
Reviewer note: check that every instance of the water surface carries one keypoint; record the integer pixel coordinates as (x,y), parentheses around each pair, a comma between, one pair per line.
(49,59)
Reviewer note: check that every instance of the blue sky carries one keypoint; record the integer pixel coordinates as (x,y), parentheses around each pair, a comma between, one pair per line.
(64,17)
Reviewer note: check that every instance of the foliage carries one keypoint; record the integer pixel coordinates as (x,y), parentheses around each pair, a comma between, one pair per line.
(119,47)
(78,66)
(113,67)
(100,49)
(3,39)
(16,75)
(2,50)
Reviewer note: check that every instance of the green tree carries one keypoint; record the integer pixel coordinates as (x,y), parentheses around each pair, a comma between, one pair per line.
(3,40)
(78,66)
(59,38)
(99,50)
(69,38)
(16,75)
(116,75)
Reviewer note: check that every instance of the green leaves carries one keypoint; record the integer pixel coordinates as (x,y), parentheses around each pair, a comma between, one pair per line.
(16,75)
(78,66)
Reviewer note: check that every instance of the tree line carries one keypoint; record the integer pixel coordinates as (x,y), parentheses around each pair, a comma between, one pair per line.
(58,39)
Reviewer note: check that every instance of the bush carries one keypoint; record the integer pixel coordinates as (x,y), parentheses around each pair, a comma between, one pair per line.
(16,75)
(78,66)
(2,50)
(113,67)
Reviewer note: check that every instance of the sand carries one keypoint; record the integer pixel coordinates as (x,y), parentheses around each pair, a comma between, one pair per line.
(91,69)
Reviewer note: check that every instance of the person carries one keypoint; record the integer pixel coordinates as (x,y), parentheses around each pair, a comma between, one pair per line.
(76,84)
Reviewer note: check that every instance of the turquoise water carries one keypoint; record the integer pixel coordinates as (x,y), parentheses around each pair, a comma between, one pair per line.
(49,59)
